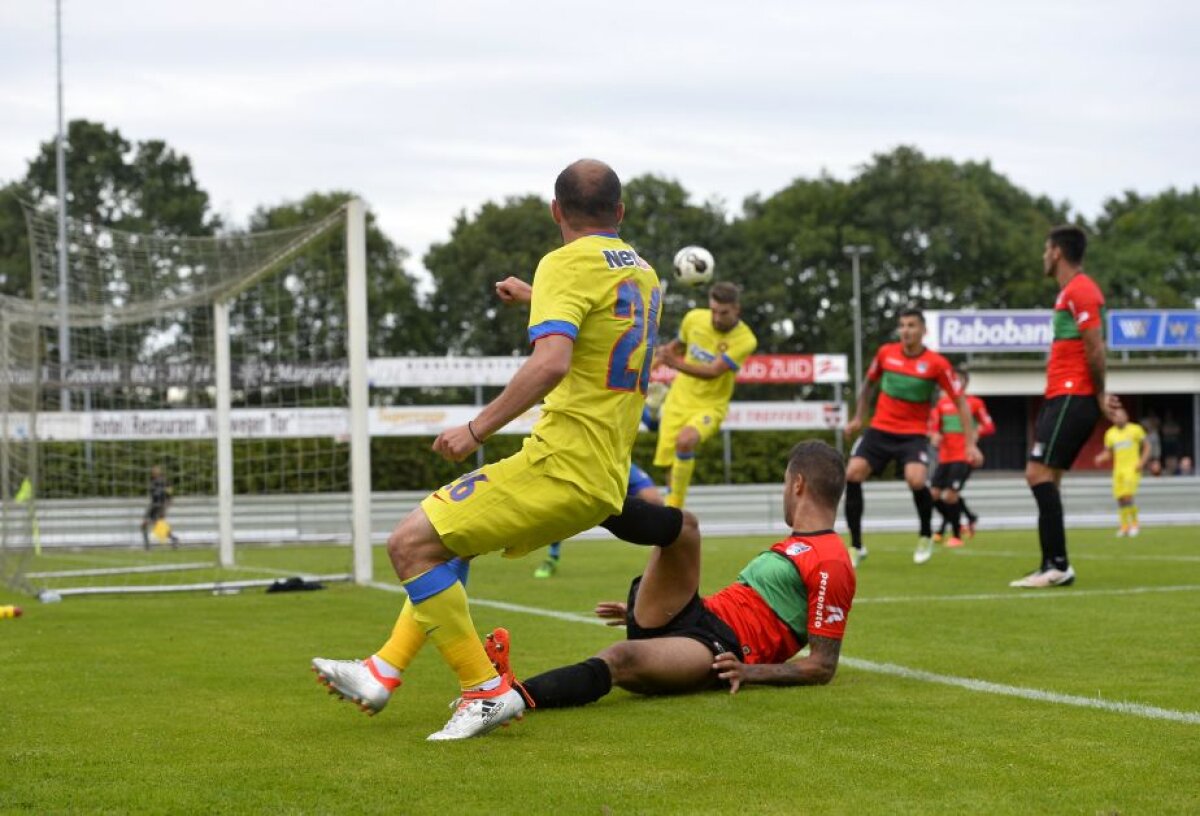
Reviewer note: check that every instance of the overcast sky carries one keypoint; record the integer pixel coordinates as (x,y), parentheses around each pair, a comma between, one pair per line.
(430,108)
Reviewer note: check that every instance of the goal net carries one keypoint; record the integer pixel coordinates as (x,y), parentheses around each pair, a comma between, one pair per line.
(185,412)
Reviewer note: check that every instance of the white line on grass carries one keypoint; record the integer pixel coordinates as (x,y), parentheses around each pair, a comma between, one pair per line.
(970,684)
(1193,559)
(1136,709)
(508,607)
(1024,595)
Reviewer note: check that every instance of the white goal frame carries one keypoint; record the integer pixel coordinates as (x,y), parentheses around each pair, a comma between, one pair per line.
(353,222)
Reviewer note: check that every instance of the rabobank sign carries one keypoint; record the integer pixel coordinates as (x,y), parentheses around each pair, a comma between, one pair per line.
(995,330)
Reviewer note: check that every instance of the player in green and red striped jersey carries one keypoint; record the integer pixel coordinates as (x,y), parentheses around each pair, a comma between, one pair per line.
(796,593)
(907,375)
(1075,398)
(953,469)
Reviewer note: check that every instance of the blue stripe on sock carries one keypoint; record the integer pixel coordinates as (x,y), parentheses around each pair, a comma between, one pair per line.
(428,584)
(685,456)
(462,567)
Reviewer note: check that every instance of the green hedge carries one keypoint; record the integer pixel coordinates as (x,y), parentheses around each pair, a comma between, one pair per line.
(323,465)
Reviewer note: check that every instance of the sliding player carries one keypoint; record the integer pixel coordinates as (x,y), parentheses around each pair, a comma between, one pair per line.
(796,593)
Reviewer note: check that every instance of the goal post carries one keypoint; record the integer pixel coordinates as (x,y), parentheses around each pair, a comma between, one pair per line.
(360,434)
(233,367)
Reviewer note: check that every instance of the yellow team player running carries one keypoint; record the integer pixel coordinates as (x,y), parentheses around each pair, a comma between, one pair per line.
(712,346)
(593,324)
(1126,445)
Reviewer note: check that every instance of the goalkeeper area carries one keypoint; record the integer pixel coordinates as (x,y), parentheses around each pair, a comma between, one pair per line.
(172,400)
(954,694)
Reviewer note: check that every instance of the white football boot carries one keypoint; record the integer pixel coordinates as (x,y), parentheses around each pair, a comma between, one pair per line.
(352,680)
(924,550)
(1044,579)
(478,712)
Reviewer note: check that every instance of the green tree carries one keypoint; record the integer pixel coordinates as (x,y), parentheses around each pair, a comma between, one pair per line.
(797,298)
(142,187)
(14,242)
(398,325)
(112,184)
(1146,251)
(660,220)
(499,241)
(944,235)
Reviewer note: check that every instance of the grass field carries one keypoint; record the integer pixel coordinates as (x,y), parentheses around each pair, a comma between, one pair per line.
(195,703)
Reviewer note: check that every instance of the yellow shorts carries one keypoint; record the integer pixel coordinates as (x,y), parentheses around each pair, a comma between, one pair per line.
(511,505)
(1125,483)
(706,423)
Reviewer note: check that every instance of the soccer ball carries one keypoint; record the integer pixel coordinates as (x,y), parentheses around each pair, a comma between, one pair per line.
(694,266)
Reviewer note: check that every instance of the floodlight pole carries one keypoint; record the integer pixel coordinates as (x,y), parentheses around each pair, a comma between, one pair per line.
(856,251)
(64,329)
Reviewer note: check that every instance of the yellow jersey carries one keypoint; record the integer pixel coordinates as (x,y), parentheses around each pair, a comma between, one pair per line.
(704,345)
(599,292)
(1126,445)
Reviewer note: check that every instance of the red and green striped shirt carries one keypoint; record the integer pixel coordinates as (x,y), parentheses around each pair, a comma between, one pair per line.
(907,386)
(1079,306)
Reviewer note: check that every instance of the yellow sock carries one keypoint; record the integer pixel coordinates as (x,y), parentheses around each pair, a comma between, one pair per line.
(1132,511)
(446,620)
(407,639)
(681,477)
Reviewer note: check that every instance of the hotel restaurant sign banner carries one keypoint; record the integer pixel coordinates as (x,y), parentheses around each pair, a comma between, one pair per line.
(1000,330)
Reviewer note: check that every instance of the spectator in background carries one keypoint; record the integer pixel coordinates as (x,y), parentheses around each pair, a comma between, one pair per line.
(1186,466)
(1154,464)
(1172,443)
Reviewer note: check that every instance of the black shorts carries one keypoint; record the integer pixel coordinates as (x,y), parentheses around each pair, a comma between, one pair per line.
(1064,425)
(694,621)
(156,511)
(880,447)
(952,475)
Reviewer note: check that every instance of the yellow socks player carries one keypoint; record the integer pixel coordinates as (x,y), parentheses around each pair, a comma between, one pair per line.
(370,682)
(442,615)
(681,478)
(1128,515)
(407,639)
(408,635)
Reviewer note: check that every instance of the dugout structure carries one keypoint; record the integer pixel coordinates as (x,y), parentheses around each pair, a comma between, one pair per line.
(174,351)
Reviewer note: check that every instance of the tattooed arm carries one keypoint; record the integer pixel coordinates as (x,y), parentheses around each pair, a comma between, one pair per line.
(815,669)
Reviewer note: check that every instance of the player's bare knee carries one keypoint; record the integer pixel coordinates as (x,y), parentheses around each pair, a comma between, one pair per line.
(687,441)
(858,470)
(403,545)
(1036,474)
(621,660)
(689,532)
